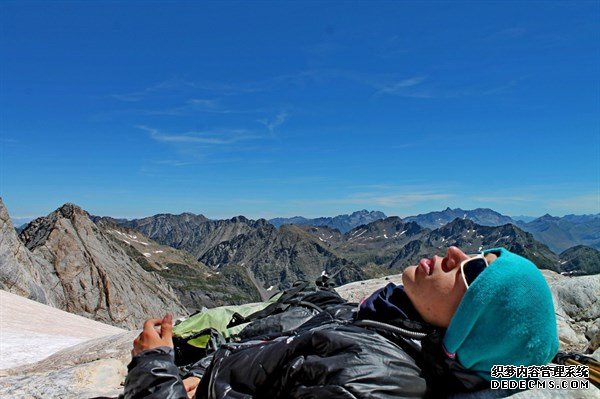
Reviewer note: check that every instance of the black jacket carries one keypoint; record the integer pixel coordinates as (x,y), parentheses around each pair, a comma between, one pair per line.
(335,354)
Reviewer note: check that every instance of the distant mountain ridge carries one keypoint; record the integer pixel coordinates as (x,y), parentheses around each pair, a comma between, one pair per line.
(561,233)
(481,216)
(343,223)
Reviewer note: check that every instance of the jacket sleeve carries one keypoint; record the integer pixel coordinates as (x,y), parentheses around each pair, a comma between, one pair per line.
(153,375)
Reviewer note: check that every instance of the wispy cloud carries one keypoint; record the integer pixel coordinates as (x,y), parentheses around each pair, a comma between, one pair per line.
(400,86)
(173,162)
(216,138)
(193,105)
(177,84)
(273,123)
(169,84)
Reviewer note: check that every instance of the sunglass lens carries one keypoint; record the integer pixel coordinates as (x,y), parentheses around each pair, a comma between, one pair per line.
(473,268)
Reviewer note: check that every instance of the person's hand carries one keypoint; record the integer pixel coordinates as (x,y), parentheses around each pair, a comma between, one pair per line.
(190,384)
(151,337)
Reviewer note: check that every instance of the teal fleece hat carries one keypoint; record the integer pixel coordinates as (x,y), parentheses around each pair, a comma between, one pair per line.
(506,317)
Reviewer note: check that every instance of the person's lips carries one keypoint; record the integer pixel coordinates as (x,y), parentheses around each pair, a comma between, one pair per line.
(425,266)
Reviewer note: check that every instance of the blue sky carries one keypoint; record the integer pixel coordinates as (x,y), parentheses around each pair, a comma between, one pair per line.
(299,108)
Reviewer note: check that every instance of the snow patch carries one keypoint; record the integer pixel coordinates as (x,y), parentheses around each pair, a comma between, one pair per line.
(147,254)
(270,288)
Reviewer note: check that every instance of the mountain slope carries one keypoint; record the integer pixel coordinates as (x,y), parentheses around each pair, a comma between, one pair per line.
(99,280)
(274,258)
(472,238)
(566,232)
(195,284)
(370,245)
(192,233)
(581,260)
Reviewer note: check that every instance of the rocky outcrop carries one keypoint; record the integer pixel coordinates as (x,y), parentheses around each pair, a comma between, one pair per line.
(92,369)
(578,310)
(24,273)
(95,276)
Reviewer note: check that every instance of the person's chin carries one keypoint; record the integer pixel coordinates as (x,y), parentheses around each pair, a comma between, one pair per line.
(409,275)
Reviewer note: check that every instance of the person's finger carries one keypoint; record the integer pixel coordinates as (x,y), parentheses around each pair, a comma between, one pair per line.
(150,323)
(166,326)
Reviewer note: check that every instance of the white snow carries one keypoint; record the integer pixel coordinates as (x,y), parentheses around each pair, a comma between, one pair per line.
(147,254)
(32,331)
(361,233)
(321,239)
(158,252)
(403,232)
(270,288)
(503,237)
(385,235)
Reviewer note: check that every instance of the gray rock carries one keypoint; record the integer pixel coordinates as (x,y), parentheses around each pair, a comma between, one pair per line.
(90,369)
(23,273)
(95,276)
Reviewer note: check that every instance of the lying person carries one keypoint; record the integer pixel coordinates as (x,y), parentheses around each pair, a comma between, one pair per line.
(441,332)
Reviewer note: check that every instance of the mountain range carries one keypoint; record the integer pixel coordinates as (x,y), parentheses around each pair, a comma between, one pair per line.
(558,233)
(121,271)
(343,223)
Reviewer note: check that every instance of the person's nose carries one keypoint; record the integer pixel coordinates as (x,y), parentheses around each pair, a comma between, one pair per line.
(453,258)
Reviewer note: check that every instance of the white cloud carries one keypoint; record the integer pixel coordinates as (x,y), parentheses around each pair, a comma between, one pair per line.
(275,122)
(216,138)
(400,86)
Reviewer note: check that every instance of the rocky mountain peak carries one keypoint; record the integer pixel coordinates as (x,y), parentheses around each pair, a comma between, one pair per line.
(97,278)
(68,210)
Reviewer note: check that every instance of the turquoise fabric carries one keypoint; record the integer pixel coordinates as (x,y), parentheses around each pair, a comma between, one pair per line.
(505,318)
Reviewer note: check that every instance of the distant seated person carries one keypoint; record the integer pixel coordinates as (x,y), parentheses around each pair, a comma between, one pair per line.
(438,334)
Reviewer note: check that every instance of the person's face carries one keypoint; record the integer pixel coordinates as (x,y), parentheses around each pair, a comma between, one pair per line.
(435,286)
